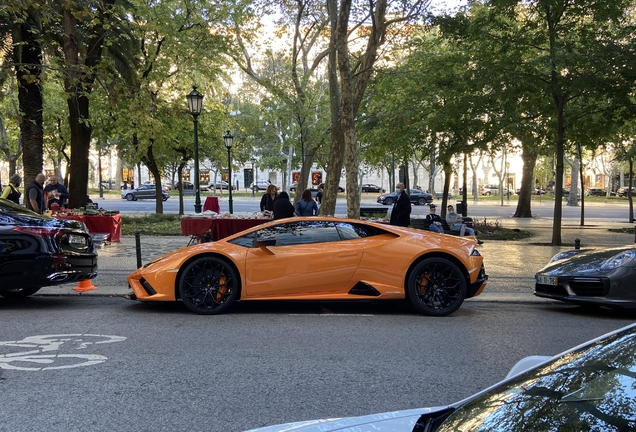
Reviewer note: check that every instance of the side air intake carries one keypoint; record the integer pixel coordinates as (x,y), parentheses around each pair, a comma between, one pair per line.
(364,289)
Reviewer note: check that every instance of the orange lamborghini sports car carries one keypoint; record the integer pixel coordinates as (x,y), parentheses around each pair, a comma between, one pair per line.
(318,258)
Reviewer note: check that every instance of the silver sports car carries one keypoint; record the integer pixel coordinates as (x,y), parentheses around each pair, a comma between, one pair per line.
(603,277)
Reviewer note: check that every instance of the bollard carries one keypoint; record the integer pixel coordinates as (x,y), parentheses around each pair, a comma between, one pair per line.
(577,243)
(138,248)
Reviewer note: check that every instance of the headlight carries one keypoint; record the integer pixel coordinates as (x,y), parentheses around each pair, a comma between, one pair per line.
(565,255)
(618,260)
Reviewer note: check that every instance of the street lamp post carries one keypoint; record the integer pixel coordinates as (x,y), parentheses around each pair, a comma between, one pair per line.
(253,171)
(195,102)
(228,138)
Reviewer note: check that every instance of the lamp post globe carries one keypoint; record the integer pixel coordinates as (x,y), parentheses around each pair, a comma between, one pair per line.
(228,138)
(195,103)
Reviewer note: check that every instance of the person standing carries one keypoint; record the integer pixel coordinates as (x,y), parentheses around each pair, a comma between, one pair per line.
(401,212)
(34,195)
(283,208)
(434,220)
(11,192)
(267,201)
(319,196)
(55,193)
(306,206)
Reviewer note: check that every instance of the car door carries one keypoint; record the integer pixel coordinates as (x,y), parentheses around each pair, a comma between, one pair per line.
(146,191)
(303,258)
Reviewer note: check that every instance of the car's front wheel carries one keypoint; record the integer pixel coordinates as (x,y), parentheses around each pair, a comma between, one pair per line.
(130,197)
(388,201)
(436,287)
(208,286)
(18,293)
(421,201)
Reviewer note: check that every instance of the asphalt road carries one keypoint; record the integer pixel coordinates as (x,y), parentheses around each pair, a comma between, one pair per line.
(165,369)
(614,210)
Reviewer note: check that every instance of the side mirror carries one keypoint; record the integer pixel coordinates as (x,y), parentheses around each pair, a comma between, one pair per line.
(263,243)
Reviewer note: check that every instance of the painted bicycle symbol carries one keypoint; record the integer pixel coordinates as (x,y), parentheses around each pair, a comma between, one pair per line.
(46,350)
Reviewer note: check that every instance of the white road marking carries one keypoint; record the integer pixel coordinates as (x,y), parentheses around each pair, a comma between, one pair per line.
(47,343)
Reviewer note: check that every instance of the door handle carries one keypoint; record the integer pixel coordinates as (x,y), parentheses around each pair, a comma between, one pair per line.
(348,254)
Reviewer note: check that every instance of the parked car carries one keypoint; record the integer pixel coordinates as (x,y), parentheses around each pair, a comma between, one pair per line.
(37,251)
(322,185)
(587,388)
(145,191)
(220,185)
(188,188)
(622,192)
(110,185)
(260,185)
(492,190)
(368,187)
(602,277)
(417,197)
(435,275)
(596,192)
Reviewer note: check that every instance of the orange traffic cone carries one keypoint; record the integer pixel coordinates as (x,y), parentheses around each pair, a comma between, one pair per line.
(85,285)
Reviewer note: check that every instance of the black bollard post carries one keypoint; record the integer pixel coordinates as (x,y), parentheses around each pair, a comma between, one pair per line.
(577,243)
(138,248)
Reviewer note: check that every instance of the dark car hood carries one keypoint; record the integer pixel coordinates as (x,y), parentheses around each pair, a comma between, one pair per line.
(587,261)
(14,215)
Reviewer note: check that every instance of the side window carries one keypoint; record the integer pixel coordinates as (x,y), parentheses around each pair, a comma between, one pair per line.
(246,240)
(293,233)
(348,231)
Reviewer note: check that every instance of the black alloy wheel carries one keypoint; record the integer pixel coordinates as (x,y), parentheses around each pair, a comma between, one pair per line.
(388,201)
(18,293)
(421,201)
(208,286)
(130,197)
(436,287)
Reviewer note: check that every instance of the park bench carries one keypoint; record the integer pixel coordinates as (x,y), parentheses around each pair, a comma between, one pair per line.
(422,223)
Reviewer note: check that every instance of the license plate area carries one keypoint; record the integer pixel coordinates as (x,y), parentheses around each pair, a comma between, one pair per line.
(76,240)
(547,280)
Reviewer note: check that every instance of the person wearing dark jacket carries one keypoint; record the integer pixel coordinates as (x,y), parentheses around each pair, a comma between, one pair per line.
(34,195)
(11,192)
(401,212)
(434,220)
(267,201)
(56,193)
(283,208)
(306,206)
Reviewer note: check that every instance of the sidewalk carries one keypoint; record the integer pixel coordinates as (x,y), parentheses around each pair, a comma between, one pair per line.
(511,265)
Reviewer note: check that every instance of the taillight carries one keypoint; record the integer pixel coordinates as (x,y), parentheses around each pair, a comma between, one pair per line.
(50,233)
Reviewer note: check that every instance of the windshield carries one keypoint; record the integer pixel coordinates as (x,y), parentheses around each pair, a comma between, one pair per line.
(591,389)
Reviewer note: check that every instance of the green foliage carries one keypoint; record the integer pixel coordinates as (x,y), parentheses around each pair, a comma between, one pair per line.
(152,224)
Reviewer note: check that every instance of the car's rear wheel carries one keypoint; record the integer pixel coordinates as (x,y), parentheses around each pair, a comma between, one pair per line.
(436,287)
(487,193)
(208,286)
(18,293)
(388,201)
(421,201)
(130,197)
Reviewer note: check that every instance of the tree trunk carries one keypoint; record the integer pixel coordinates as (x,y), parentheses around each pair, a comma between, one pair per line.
(336,148)
(524,205)
(151,163)
(448,173)
(28,61)
(558,185)
(80,144)
(582,186)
